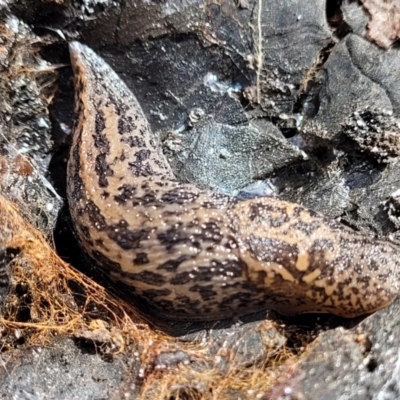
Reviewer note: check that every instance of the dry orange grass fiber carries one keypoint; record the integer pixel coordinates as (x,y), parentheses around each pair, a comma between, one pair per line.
(46,281)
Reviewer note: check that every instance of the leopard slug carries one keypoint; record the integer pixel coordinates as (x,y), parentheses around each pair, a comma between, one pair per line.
(193,254)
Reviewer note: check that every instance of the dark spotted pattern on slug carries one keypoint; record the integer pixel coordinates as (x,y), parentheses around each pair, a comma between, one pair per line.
(198,255)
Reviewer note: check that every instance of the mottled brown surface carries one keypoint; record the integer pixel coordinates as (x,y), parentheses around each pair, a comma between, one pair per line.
(198,255)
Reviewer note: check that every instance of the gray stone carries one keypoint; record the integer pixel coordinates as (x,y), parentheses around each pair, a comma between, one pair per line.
(356,364)
(60,371)
(226,157)
(289,36)
(356,74)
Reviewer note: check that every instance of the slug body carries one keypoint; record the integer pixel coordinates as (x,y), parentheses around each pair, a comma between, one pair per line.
(192,254)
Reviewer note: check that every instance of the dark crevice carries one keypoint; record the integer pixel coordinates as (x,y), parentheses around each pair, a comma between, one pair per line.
(86,346)
(189,393)
(308,98)
(334,16)
(289,132)
(372,365)
(8,255)
(23,313)
(396,44)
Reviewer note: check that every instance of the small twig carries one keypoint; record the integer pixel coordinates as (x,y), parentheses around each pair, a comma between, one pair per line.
(259,51)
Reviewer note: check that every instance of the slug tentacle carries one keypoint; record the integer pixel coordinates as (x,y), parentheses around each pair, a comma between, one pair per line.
(197,255)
